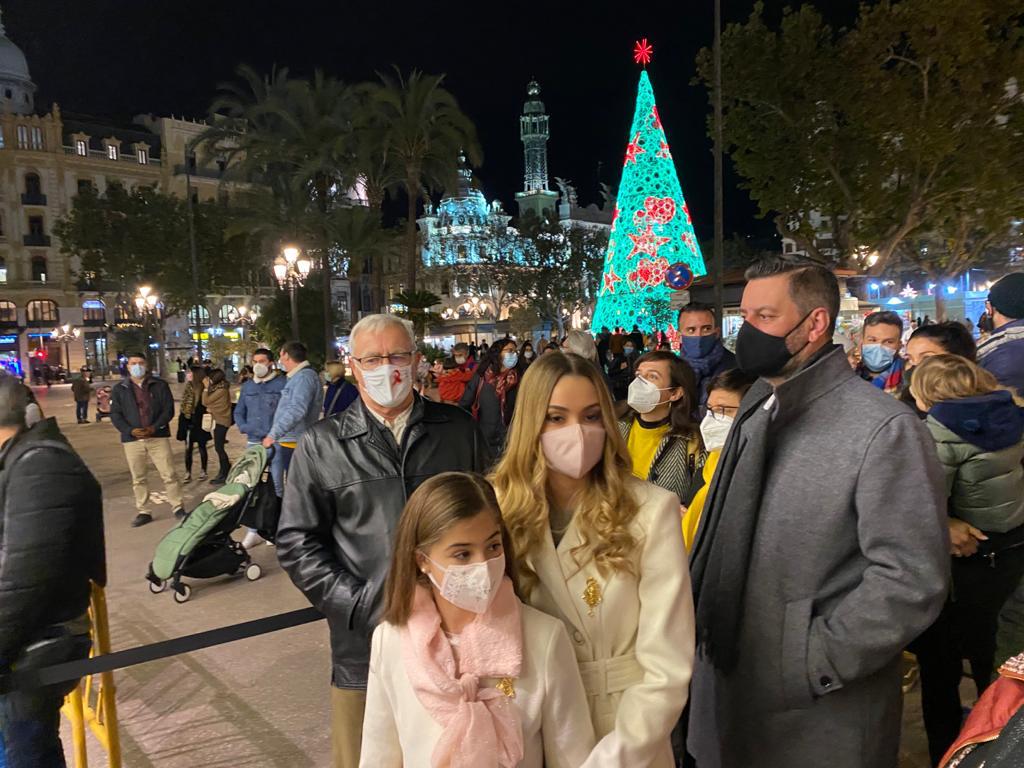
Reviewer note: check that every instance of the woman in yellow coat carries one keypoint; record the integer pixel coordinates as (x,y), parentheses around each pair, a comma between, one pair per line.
(725,393)
(602,551)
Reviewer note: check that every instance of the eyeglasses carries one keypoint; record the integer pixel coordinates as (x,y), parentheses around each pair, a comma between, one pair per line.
(723,412)
(376,361)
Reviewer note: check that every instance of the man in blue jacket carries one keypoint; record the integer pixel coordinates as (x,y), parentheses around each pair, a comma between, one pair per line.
(298,409)
(257,403)
(1002,354)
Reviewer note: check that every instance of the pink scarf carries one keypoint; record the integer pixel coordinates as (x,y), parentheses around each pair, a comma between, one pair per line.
(481,726)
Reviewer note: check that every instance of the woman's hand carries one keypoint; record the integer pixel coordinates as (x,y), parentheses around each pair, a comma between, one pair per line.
(964,538)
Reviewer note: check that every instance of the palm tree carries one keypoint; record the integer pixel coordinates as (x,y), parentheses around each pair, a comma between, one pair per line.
(294,136)
(417,309)
(425,131)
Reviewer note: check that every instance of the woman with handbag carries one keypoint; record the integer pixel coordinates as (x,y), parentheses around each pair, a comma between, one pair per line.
(978,430)
(191,417)
(216,398)
(603,551)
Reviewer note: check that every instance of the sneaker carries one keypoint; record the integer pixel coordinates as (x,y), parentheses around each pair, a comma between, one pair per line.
(141,519)
(219,480)
(187,478)
(251,539)
(179,513)
(203,475)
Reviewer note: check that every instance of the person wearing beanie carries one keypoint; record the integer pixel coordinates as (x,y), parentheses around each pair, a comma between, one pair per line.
(1002,354)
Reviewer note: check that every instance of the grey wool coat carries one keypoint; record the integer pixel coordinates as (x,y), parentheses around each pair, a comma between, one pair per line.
(849,563)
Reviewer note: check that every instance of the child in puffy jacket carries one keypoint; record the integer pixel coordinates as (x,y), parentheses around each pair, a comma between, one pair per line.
(978,429)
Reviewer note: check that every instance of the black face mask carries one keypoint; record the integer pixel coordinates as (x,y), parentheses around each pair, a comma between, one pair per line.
(761,354)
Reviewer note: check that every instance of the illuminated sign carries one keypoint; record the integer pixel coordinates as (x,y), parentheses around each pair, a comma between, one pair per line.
(8,339)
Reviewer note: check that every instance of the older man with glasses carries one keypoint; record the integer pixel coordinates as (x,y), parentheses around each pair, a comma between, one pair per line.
(348,483)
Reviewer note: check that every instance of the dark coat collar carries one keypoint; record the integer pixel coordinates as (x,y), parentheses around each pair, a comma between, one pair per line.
(356,419)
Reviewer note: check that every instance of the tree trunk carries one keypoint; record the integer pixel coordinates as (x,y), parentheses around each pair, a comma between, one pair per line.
(355,304)
(412,186)
(940,302)
(330,352)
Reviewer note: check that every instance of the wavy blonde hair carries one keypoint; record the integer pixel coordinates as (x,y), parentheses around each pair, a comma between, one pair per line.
(607,507)
(950,377)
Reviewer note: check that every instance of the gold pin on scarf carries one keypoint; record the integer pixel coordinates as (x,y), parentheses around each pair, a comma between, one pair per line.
(592,595)
(506,687)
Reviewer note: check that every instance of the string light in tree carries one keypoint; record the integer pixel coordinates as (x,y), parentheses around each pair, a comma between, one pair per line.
(652,234)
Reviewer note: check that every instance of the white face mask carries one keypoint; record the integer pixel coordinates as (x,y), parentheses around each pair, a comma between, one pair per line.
(643,396)
(33,415)
(261,370)
(715,430)
(471,587)
(388,386)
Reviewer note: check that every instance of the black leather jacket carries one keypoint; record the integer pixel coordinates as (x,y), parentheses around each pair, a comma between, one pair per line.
(51,536)
(347,485)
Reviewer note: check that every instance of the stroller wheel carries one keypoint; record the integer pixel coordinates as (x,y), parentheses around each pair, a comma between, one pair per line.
(184,594)
(156,587)
(253,572)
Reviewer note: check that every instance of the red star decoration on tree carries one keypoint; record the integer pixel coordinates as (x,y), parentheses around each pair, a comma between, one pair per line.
(657,118)
(647,242)
(663,151)
(610,279)
(633,149)
(615,216)
(642,52)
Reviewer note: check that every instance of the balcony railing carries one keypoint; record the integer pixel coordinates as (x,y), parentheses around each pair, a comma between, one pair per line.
(36,240)
(206,172)
(33,198)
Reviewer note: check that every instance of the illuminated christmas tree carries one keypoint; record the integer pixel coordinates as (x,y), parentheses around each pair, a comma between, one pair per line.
(651,231)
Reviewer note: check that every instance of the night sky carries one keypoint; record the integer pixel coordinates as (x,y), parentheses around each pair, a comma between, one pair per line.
(118,58)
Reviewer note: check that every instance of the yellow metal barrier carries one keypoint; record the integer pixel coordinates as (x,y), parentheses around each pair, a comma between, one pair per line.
(92,703)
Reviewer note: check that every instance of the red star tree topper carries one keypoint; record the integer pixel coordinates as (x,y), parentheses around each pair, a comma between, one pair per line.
(651,230)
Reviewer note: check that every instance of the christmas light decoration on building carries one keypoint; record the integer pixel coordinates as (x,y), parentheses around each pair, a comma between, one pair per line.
(652,234)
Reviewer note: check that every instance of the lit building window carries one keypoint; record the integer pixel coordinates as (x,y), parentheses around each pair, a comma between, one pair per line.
(3,273)
(22,137)
(37,138)
(81,148)
(143,157)
(39,269)
(111,151)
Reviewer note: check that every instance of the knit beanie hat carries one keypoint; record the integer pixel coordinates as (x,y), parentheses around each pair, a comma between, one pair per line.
(1007,296)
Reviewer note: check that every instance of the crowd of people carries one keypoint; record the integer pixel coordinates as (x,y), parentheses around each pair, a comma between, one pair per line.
(597,551)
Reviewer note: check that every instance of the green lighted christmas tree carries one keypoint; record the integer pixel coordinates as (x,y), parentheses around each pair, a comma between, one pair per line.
(651,231)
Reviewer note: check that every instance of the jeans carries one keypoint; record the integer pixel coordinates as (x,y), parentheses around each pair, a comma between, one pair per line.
(82,410)
(30,720)
(220,436)
(279,466)
(204,457)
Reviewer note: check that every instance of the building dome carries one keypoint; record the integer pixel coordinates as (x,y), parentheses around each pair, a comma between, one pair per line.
(16,86)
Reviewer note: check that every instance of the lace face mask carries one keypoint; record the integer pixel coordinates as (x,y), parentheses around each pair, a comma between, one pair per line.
(471,587)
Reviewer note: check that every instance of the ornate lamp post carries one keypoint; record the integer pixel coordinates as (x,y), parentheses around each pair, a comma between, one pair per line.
(476,309)
(244,317)
(148,304)
(291,269)
(65,334)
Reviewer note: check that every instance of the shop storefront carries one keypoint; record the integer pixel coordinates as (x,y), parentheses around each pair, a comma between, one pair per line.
(10,359)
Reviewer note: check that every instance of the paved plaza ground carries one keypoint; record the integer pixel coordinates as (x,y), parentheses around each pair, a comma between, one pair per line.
(261,702)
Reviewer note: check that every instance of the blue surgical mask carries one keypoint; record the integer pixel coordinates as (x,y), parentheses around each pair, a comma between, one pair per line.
(696,347)
(137,371)
(509,359)
(629,350)
(876,357)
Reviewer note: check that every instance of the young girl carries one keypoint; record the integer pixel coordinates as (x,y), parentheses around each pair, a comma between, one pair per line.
(978,430)
(462,675)
(602,551)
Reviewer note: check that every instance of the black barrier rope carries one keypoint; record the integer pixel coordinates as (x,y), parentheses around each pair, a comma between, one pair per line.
(24,679)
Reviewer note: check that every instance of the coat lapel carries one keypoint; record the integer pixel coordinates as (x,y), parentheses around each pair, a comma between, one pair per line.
(555,568)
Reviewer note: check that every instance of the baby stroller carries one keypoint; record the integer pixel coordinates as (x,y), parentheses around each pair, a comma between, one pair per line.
(200,546)
(103,401)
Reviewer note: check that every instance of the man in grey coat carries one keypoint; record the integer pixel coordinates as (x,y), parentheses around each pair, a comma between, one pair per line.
(823,549)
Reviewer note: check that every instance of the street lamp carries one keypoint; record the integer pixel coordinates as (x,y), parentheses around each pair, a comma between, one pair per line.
(148,304)
(475,308)
(291,269)
(244,317)
(65,334)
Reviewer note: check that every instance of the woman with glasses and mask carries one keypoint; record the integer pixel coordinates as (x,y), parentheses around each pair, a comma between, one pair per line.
(661,437)
(601,550)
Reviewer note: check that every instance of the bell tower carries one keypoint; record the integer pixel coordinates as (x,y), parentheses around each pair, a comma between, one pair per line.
(534,132)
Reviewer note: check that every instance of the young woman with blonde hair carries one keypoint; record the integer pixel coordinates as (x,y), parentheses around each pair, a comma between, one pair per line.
(602,551)
(462,675)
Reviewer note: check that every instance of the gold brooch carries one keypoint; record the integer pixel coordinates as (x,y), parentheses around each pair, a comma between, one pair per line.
(506,687)
(592,595)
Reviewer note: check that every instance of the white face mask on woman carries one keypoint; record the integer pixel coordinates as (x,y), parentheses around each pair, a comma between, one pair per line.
(644,396)
(715,430)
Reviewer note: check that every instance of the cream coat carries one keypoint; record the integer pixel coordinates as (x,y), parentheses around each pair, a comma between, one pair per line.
(636,651)
(398,732)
